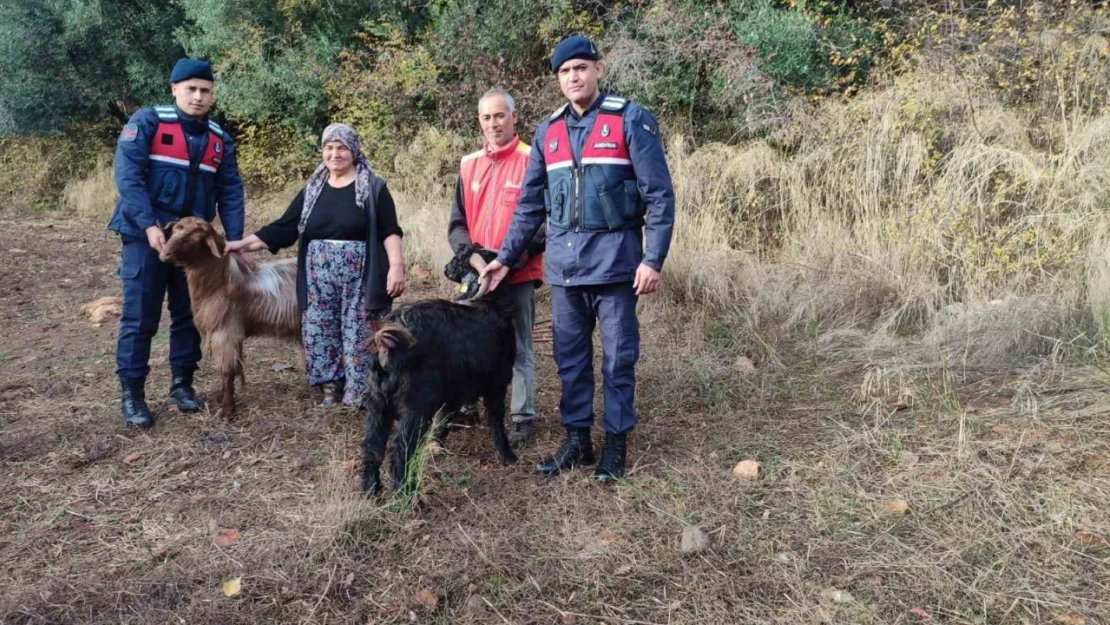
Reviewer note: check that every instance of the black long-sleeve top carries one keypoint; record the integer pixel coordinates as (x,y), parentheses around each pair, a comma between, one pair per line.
(336,216)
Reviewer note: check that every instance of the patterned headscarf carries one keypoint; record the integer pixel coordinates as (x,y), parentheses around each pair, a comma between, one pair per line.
(348,137)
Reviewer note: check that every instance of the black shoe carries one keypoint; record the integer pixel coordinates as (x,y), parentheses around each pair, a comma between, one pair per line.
(576,450)
(181,391)
(521,432)
(133,402)
(611,467)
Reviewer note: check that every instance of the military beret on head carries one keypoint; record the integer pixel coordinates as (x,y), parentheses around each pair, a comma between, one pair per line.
(576,47)
(192,68)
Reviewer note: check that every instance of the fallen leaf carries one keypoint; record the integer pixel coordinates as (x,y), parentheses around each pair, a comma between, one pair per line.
(475,606)
(350,579)
(836,595)
(1070,618)
(624,569)
(1002,430)
(766,514)
(427,598)
(897,507)
(471,588)
(873,580)
(743,364)
(898,404)
(1004,401)
(226,537)
(822,614)
(693,540)
(747,470)
(163,551)
(132,459)
(921,615)
(232,587)
(568,619)
(278,367)
(1092,540)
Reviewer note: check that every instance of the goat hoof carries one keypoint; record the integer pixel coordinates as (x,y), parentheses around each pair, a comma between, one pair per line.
(509,458)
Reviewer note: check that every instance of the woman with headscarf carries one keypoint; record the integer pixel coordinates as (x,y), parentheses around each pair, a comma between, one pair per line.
(349,262)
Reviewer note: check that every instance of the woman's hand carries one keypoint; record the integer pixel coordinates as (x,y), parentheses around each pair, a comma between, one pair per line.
(395,280)
(247,244)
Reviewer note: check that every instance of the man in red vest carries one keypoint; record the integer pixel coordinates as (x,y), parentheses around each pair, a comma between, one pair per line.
(485,198)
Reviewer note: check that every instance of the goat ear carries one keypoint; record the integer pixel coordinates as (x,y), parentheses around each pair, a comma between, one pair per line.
(215,247)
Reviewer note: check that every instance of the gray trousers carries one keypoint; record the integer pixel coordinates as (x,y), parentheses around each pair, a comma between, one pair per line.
(524,368)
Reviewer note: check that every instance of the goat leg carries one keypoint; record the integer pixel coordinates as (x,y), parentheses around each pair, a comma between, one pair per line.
(227,402)
(377,417)
(495,418)
(411,426)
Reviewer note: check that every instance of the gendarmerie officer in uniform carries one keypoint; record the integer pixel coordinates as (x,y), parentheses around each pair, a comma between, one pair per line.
(171,162)
(598,176)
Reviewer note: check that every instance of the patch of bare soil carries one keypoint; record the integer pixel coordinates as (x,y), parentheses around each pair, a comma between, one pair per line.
(966,506)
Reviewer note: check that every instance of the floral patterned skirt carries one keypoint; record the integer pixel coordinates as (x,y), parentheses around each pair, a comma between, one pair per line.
(335,325)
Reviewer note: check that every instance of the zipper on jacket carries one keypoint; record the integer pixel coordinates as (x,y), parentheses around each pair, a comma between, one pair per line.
(576,214)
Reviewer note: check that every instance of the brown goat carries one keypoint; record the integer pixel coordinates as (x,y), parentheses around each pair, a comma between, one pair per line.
(231,299)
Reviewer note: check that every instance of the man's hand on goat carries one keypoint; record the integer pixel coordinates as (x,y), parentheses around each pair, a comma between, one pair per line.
(156,238)
(647,280)
(395,280)
(495,272)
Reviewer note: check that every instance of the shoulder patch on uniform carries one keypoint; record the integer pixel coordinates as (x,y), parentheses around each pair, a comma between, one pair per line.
(523,148)
(473,155)
(559,111)
(130,131)
(166,112)
(613,103)
(214,127)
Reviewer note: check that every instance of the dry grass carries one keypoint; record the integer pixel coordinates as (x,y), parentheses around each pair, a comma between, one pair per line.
(94,196)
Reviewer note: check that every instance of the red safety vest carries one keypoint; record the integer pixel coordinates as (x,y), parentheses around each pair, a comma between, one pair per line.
(600,193)
(169,145)
(491,182)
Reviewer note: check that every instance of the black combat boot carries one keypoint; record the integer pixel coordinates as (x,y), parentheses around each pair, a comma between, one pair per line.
(611,467)
(576,451)
(181,391)
(521,432)
(133,402)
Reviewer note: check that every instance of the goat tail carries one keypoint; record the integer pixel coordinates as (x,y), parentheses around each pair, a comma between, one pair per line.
(389,338)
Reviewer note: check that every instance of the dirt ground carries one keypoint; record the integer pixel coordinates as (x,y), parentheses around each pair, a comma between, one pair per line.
(960,504)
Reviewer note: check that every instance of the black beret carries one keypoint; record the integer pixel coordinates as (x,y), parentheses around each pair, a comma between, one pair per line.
(191,68)
(575,47)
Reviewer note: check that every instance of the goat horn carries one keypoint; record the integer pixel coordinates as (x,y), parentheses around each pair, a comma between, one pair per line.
(215,247)
(483,287)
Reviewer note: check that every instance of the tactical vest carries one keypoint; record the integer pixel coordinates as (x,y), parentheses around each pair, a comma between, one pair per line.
(600,193)
(169,144)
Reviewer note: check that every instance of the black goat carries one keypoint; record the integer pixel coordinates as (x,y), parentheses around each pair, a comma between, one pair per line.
(430,357)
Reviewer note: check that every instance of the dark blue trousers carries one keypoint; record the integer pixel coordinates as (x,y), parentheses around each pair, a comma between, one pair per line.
(575,311)
(146,281)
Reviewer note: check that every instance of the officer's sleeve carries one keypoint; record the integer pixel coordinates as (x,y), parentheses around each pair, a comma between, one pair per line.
(653,178)
(130,168)
(530,212)
(458,235)
(229,190)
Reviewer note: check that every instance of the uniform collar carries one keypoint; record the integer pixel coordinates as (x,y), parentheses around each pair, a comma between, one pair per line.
(193,125)
(590,111)
(500,153)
